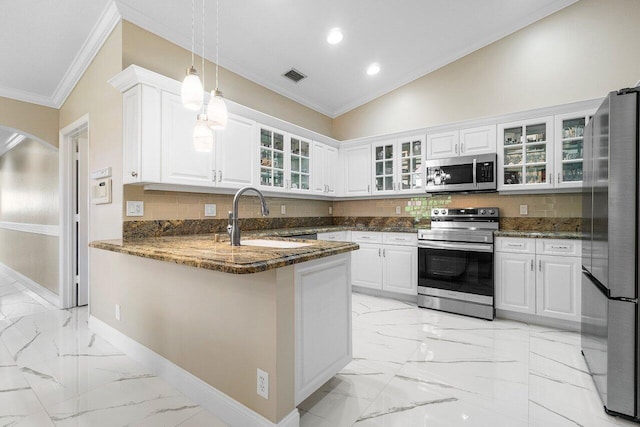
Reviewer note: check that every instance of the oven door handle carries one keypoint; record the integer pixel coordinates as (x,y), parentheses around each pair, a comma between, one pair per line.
(456,246)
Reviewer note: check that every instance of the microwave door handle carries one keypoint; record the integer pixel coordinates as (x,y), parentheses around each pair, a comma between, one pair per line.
(475,184)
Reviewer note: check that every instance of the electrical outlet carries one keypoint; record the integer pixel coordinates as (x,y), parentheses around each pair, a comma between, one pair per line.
(524,209)
(398,210)
(263,384)
(210,210)
(135,208)
(283,209)
(117,311)
(330,210)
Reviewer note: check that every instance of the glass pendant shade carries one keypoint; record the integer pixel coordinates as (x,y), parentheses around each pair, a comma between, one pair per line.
(192,91)
(202,135)
(217,111)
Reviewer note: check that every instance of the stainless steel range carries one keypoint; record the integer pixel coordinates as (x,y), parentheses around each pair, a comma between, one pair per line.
(455,261)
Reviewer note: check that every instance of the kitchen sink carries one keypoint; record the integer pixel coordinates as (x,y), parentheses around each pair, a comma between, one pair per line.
(280,244)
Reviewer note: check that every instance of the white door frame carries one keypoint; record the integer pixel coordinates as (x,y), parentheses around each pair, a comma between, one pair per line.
(66,178)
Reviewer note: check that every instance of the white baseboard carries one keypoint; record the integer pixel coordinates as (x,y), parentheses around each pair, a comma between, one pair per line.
(219,404)
(33,286)
(385,294)
(538,320)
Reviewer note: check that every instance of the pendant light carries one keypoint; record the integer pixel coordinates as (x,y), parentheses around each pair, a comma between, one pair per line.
(217,109)
(192,91)
(202,133)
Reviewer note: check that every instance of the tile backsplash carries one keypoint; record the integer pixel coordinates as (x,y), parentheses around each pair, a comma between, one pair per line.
(166,205)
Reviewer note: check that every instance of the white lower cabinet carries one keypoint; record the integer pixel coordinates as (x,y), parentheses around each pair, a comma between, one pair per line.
(382,266)
(538,276)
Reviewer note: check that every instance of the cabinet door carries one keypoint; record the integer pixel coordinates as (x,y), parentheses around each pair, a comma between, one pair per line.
(515,282)
(272,158)
(400,269)
(299,160)
(442,145)
(384,168)
(357,170)
(181,163)
(318,167)
(366,266)
(558,287)
(410,170)
(235,153)
(331,169)
(525,155)
(480,140)
(131,124)
(569,131)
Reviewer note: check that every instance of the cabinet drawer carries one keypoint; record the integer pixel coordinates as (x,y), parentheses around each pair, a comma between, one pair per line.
(516,245)
(335,236)
(400,239)
(366,237)
(558,247)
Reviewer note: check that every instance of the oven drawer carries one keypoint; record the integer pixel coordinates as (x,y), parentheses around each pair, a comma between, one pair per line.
(515,245)
(558,247)
(366,237)
(400,239)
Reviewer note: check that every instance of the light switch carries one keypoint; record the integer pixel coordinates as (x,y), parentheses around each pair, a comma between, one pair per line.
(135,208)
(210,209)
(398,210)
(524,209)
(283,209)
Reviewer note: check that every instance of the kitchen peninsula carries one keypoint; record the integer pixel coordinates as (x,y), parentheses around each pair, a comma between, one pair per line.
(209,317)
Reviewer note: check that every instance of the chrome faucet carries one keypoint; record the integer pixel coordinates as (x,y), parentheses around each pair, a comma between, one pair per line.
(233,229)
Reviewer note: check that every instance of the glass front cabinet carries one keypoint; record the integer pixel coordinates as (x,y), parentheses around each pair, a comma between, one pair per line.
(397,166)
(525,154)
(284,161)
(569,133)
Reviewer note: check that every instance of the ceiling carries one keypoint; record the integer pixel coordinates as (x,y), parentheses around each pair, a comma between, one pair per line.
(43,54)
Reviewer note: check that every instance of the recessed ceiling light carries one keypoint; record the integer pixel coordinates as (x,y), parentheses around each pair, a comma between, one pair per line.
(335,36)
(373,69)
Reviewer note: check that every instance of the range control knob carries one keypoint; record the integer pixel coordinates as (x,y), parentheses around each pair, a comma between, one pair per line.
(436,212)
(482,212)
(444,211)
(491,211)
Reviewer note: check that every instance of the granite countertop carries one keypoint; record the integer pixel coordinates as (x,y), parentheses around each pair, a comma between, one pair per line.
(207,251)
(574,235)
(285,232)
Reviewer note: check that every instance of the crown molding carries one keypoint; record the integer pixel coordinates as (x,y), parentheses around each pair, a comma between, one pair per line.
(108,20)
(25,96)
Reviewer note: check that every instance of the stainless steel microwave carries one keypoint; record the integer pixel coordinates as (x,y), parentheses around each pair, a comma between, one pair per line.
(461,174)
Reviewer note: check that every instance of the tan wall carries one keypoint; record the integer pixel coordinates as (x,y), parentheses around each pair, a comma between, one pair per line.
(93,95)
(29,195)
(33,255)
(34,120)
(29,184)
(579,53)
(157,54)
(539,205)
(171,205)
(220,327)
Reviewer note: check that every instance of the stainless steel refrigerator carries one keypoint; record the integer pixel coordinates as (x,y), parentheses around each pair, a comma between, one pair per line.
(610,218)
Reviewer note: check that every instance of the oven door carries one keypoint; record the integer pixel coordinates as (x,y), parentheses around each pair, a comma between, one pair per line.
(453,267)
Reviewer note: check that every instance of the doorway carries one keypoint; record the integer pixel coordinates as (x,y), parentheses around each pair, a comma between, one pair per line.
(74,211)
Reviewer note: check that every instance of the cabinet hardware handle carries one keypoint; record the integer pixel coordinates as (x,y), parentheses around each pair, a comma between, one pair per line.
(368,188)
(134,174)
(366,237)
(461,147)
(384,253)
(379,251)
(539,265)
(220,175)
(515,245)
(531,265)
(456,148)
(559,247)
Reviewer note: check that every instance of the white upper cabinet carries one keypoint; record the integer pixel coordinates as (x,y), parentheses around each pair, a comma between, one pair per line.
(323,168)
(141,134)
(235,153)
(357,170)
(298,161)
(525,154)
(479,140)
(465,142)
(569,134)
(181,163)
(272,153)
(397,166)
